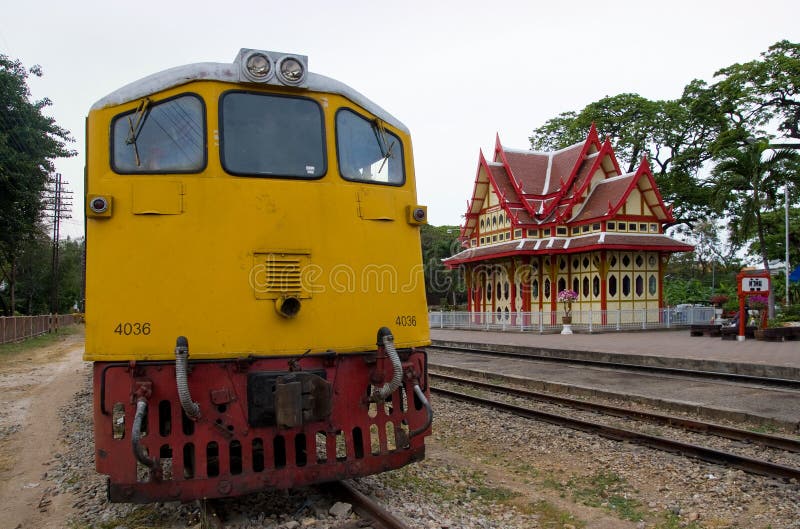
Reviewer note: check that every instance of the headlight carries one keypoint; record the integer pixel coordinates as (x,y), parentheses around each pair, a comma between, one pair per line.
(272,67)
(257,67)
(291,71)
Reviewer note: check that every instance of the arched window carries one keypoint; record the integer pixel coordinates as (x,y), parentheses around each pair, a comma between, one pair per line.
(586,287)
(596,286)
(639,285)
(546,289)
(562,284)
(575,284)
(535,289)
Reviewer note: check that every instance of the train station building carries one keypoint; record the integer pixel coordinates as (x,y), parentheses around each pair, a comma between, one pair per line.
(538,223)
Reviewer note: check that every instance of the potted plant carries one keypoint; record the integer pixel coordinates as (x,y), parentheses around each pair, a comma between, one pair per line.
(718,300)
(567,297)
(760,303)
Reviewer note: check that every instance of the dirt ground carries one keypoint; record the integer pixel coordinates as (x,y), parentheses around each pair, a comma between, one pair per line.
(34,383)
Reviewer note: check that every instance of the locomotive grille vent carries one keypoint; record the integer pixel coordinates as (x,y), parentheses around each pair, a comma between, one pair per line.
(277,274)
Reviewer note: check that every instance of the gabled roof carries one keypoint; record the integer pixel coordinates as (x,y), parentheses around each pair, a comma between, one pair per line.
(577,184)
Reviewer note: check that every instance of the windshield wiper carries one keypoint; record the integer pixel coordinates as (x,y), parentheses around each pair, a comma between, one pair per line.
(380,134)
(142,111)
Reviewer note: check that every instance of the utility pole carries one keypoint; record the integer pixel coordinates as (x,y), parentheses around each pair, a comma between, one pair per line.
(59,203)
(786,212)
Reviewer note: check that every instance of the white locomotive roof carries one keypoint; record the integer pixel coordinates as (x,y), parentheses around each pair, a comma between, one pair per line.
(213,71)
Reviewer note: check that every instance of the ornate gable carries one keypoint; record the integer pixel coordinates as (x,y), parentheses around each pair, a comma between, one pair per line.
(545,199)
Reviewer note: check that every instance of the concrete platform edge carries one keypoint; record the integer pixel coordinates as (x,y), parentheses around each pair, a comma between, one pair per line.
(733,415)
(714,366)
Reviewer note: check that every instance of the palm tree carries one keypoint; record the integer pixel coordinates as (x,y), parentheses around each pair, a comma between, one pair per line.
(747,183)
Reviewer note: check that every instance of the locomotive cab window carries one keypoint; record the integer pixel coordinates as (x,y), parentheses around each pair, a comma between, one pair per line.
(367,151)
(271,135)
(164,137)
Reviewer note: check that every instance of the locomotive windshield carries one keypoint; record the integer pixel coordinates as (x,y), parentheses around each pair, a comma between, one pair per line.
(167,137)
(271,135)
(367,151)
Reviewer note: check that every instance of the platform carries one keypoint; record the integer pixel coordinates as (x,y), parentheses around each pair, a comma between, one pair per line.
(675,348)
(671,348)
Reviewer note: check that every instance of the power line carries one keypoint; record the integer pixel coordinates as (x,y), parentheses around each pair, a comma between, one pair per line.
(58,201)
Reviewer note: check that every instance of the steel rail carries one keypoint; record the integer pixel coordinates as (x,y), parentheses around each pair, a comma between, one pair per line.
(365,506)
(727,432)
(782,383)
(753,466)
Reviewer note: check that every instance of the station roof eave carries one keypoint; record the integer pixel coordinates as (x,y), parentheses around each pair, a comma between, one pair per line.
(562,246)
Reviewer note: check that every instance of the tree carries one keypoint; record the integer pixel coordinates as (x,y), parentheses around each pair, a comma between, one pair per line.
(759,92)
(439,242)
(675,135)
(747,182)
(775,233)
(627,118)
(29,142)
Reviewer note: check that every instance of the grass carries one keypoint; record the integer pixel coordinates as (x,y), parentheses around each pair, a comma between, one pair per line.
(496,494)
(141,517)
(552,517)
(673,521)
(609,491)
(766,428)
(9,349)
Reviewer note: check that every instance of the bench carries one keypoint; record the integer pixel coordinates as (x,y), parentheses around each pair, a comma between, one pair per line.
(781,334)
(731,332)
(708,330)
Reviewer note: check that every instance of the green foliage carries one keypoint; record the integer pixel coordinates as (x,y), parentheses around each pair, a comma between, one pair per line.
(748,182)
(775,233)
(677,291)
(607,490)
(673,135)
(25,346)
(441,284)
(710,126)
(551,516)
(29,142)
(673,521)
(755,93)
(34,275)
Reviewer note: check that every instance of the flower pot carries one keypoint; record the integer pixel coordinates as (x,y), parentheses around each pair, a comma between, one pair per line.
(566,320)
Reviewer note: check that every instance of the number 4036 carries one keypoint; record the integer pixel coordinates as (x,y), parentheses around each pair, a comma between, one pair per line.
(406,321)
(133,328)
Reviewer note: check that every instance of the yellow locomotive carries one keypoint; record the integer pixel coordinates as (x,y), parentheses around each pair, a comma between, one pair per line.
(255,305)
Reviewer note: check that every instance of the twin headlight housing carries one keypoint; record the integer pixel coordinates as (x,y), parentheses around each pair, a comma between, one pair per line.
(270,67)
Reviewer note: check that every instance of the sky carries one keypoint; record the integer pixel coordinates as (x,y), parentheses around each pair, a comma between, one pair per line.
(456,72)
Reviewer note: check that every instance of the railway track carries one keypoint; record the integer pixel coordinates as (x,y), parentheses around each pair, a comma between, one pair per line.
(780,383)
(704,453)
(213,512)
(366,507)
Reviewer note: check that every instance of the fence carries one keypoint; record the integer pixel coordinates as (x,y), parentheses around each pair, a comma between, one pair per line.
(582,321)
(16,328)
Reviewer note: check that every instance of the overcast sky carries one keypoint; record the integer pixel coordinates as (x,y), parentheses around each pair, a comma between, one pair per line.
(455,72)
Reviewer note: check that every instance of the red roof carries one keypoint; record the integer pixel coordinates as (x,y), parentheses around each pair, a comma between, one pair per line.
(566,186)
(577,185)
(568,245)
